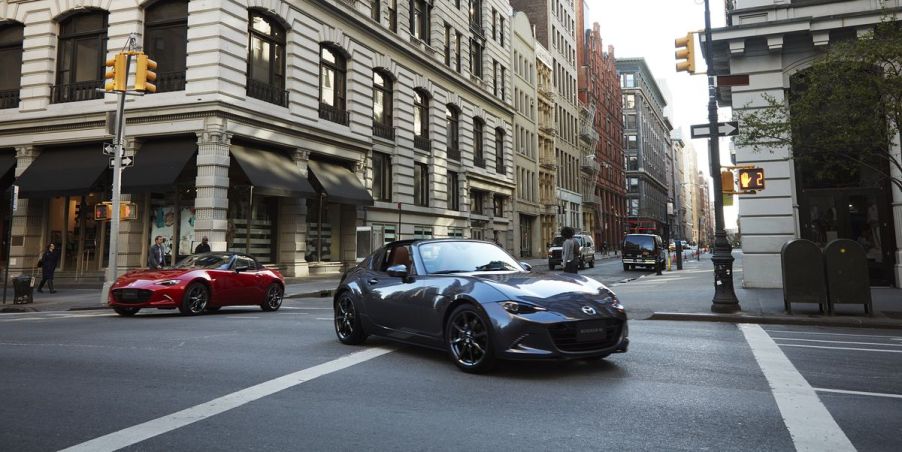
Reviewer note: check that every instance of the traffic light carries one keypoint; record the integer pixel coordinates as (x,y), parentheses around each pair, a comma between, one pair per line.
(685,50)
(751,179)
(102,211)
(117,75)
(726,183)
(144,74)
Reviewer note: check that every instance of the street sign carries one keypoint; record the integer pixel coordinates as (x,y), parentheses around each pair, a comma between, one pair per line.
(127,161)
(751,179)
(109,149)
(724,129)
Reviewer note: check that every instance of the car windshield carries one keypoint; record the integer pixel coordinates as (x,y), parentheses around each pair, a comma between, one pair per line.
(463,257)
(209,261)
(638,242)
(558,241)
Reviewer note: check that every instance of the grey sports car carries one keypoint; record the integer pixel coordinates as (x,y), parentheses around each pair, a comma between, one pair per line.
(474,300)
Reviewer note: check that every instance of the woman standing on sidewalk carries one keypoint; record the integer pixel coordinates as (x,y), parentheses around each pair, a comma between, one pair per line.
(48,265)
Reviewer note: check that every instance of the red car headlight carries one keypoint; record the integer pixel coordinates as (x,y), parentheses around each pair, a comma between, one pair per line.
(167,282)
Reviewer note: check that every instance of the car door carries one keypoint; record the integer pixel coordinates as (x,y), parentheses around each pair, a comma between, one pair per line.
(247,281)
(383,294)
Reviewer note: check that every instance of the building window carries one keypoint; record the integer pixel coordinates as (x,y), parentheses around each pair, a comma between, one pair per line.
(629,101)
(332,88)
(478,151)
(632,185)
(476,16)
(384,233)
(628,81)
(494,24)
(420,184)
(422,232)
(382,185)
(632,143)
(632,163)
(166,42)
(452,116)
(421,120)
(629,121)
(494,77)
(477,203)
(633,208)
(382,105)
(393,15)
(447,45)
(419,19)
(457,233)
(501,31)
(504,83)
(266,61)
(476,57)
(376,10)
(453,191)
(457,55)
(11,37)
(81,57)
(499,151)
(498,206)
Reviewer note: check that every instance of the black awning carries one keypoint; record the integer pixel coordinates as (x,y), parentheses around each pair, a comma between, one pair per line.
(340,184)
(63,171)
(7,163)
(158,164)
(272,173)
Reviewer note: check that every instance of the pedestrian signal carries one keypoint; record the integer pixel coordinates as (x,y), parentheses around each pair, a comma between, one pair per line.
(103,211)
(751,179)
(727,185)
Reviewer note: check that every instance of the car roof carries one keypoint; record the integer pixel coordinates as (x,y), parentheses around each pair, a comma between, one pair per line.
(446,239)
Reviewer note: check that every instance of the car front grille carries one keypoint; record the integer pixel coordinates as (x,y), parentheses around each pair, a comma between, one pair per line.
(568,337)
(556,254)
(132,295)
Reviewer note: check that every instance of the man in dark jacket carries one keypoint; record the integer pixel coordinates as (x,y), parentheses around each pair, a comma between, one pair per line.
(48,266)
(156,257)
(203,246)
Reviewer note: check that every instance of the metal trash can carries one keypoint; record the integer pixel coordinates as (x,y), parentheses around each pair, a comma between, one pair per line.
(23,288)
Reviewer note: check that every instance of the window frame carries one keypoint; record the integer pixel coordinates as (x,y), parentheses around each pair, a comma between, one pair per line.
(479,142)
(421,107)
(387,91)
(420,184)
(69,76)
(382,176)
(340,70)
(169,79)
(276,51)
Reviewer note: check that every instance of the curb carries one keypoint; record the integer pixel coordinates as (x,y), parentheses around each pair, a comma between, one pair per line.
(851,322)
(315,294)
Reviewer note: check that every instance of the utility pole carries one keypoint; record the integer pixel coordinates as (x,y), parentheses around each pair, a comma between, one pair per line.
(725,300)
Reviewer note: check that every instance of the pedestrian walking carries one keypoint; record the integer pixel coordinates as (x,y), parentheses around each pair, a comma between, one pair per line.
(569,250)
(48,262)
(156,258)
(604,248)
(203,246)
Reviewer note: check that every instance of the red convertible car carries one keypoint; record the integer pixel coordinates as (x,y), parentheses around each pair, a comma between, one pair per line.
(201,282)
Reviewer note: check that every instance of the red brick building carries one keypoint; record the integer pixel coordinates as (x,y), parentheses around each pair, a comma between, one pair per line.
(599,90)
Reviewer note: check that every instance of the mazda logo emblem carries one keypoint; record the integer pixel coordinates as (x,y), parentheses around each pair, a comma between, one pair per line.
(589,310)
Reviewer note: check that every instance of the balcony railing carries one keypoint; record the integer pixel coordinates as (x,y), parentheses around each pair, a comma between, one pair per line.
(330,113)
(76,92)
(454,154)
(9,98)
(422,142)
(170,81)
(384,131)
(267,92)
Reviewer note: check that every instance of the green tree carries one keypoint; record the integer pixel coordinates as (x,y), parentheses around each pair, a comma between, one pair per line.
(842,114)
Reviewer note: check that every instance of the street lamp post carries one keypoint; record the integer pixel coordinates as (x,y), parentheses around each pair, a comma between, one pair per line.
(725,300)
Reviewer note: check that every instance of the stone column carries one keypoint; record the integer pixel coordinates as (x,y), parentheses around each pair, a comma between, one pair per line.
(293,227)
(27,222)
(212,202)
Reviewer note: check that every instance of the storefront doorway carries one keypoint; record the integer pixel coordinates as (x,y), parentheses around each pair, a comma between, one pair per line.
(526,229)
(82,241)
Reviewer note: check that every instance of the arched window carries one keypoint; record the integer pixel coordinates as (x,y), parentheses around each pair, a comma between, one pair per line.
(266,60)
(332,85)
(382,105)
(452,116)
(166,42)
(80,58)
(478,151)
(499,150)
(421,120)
(10,64)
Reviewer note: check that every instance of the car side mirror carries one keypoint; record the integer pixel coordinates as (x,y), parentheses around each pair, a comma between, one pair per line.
(241,268)
(526,266)
(397,271)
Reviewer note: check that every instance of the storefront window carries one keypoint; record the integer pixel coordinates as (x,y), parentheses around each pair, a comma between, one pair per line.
(383,234)
(319,233)
(252,224)
(172,217)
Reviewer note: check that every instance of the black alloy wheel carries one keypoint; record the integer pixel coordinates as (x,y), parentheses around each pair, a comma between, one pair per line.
(468,340)
(550,266)
(195,300)
(126,312)
(347,323)
(273,300)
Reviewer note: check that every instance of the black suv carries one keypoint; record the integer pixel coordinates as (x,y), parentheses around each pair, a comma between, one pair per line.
(643,249)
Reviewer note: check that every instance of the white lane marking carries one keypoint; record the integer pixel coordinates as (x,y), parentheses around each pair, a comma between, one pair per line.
(898,338)
(57,317)
(242,317)
(835,342)
(304,307)
(141,432)
(842,348)
(872,394)
(324,318)
(810,425)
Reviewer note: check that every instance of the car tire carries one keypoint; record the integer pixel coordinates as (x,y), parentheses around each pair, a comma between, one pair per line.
(272,300)
(195,299)
(582,264)
(626,267)
(348,327)
(592,263)
(550,266)
(126,312)
(469,340)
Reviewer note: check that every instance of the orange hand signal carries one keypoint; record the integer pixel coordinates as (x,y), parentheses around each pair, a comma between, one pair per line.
(744,180)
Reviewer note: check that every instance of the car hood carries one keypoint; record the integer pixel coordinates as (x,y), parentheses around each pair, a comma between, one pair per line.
(563,293)
(149,275)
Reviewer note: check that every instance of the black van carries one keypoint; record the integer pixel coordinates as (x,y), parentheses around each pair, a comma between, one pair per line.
(643,249)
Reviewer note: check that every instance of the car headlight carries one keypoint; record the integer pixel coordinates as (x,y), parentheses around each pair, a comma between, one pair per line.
(167,282)
(519,307)
(609,297)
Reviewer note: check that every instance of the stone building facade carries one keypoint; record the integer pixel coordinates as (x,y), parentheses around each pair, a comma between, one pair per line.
(279,127)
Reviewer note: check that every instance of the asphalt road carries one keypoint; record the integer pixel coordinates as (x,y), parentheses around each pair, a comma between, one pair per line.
(247,380)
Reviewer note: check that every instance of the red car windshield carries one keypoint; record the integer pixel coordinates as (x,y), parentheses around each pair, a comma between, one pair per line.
(208,261)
